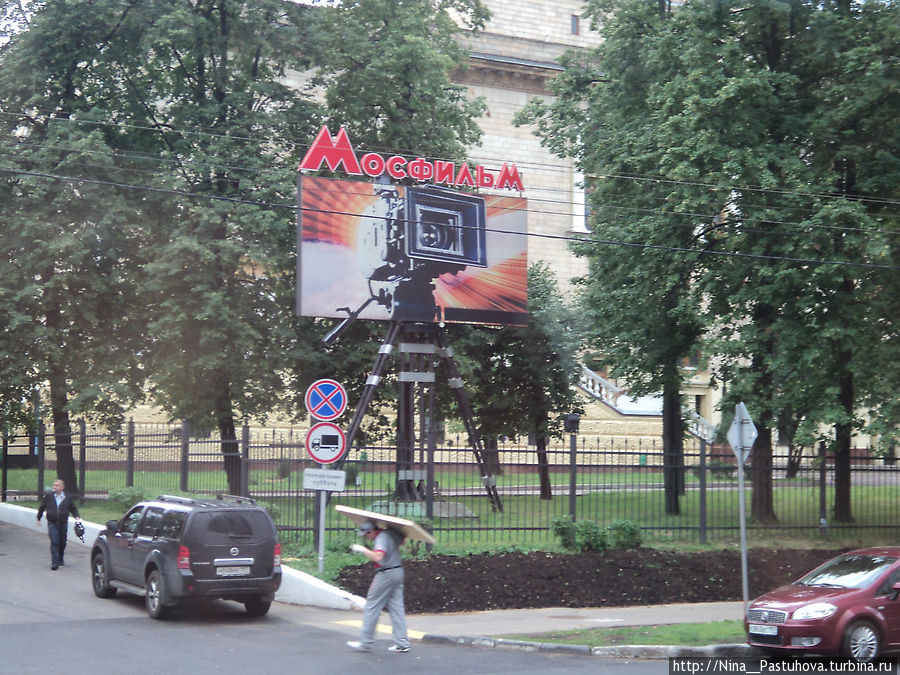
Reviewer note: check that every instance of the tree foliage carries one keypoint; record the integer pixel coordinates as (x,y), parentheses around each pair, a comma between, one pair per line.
(386,71)
(756,146)
(70,250)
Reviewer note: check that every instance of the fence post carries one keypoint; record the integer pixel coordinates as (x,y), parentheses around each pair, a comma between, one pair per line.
(82,457)
(4,460)
(185,452)
(41,440)
(823,471)
(129,456)
(702,491)
(245,461)
(570,424)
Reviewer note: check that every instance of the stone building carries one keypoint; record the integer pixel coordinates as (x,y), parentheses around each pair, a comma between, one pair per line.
(510,62)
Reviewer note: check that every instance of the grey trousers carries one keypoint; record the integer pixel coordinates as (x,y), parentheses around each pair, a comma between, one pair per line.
(386,590)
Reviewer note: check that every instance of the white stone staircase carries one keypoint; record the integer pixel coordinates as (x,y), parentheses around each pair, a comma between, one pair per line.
(620,402)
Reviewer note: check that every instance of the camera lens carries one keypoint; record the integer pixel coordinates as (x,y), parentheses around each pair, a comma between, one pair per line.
(433,236)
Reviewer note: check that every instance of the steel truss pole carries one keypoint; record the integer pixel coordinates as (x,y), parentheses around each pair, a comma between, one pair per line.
(456,384)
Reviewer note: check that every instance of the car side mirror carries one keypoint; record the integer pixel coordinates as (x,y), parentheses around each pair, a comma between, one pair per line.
(895,591)
(112,526)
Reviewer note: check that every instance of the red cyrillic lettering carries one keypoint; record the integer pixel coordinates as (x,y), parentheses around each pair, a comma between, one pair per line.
(444,172)
(420,169)
(395,167)
(485,179)
(509,177)
(333,151)
(373,164)
(464,177)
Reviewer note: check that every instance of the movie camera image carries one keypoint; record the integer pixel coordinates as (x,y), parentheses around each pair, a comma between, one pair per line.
(410,253)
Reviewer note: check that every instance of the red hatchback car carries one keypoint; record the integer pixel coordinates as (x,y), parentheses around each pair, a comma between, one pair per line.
(849,606)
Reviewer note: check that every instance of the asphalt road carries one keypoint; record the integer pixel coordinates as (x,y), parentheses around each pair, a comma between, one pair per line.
(51,621)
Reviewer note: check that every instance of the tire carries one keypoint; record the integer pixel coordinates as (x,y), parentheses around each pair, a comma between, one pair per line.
(155,596)
(862,642)
(100,577)
(257,606)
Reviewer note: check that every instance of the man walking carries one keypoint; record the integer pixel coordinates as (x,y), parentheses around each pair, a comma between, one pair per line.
(386,589)
(58,506)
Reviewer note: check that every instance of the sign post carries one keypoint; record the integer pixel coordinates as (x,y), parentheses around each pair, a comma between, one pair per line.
(325,442)
(741,436)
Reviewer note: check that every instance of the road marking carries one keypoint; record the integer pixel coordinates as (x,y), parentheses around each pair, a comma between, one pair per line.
(607,620)
(382,628)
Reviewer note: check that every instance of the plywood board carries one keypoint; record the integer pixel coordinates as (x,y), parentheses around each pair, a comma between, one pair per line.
(407,528)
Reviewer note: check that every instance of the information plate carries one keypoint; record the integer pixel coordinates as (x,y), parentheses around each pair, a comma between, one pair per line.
(324,479)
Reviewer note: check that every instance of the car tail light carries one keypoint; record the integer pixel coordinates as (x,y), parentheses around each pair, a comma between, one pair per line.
(277,560)
(184,558)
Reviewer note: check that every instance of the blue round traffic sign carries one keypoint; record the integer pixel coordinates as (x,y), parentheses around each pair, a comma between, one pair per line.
(326,400)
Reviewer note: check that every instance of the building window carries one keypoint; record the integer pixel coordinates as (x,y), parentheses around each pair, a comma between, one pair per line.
(575,25)
(580,208)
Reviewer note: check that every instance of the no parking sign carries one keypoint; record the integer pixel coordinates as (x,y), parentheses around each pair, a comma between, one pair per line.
(326,400)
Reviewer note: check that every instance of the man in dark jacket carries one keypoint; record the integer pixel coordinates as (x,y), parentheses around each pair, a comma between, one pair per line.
(58,506)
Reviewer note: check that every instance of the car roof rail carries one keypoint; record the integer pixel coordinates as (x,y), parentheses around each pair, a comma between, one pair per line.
(177,500)
(236,498)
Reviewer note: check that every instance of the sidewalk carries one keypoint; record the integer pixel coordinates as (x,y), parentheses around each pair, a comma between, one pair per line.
(480,629)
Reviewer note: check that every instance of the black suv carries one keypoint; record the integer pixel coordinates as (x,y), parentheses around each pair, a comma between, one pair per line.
(176,548)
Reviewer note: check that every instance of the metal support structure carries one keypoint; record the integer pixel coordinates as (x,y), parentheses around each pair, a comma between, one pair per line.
(41,446)
(245,461)
(702,511)
(129,461)
(185,455)
(82,459)
(417,360)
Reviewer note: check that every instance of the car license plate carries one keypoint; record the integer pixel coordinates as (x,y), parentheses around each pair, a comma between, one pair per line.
(233,571)
(758,629)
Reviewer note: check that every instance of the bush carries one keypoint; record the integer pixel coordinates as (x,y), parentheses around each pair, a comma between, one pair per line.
(564,529)
(125,498)
(623,534)
(351,469)
(719,470)
(273,509)
(285,468)
(589,536)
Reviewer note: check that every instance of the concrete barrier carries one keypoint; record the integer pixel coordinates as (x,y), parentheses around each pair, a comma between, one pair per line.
(297,588)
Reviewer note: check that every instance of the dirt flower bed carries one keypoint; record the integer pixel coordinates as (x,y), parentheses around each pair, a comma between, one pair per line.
(595,579)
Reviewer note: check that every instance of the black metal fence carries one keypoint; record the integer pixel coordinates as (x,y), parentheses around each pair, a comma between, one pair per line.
(595,479)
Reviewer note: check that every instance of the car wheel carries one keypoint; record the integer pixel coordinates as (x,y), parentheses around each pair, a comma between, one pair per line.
(257,606)
(100,577)
(861,642)
(155,594)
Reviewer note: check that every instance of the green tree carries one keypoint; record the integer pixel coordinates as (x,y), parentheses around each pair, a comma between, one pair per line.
(763,134)
(385,68)
(69,248)
(806,118)
(522,377)
(229,126)
(606,115)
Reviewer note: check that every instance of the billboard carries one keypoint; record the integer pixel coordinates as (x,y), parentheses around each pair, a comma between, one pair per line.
(423,253)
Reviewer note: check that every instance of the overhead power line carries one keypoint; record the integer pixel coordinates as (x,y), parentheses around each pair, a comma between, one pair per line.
(568,212)
(542,166)
(584,240)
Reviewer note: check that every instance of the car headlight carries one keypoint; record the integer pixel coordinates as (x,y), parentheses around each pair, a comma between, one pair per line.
(817,610)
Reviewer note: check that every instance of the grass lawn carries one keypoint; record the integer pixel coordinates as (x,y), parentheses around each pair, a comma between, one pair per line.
(688,635)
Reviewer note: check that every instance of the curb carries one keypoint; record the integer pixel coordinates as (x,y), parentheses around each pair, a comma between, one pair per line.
(656,652)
